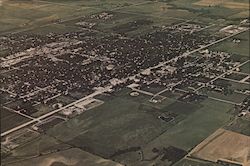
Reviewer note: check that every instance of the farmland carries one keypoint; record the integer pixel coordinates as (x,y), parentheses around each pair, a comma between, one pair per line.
(124,82)
(10,119)
(224,145)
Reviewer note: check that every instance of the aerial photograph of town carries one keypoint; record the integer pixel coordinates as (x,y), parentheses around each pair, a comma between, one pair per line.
(125,82)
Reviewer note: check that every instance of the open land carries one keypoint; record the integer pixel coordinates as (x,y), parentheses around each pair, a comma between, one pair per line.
(128,82)
(224,145)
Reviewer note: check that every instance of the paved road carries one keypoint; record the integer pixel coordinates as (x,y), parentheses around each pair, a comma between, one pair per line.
(194,51)
(213,98)
(220,76)
(241,81)
(55,111)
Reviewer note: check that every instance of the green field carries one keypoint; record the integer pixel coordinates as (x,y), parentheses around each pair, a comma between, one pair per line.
(187,162)
(233,97)
(159,9)
(119,123)
(72,156)
(22,15)
(245,68)
(240,125)
(44,150)
(125,122)
(238,49)
(53,28)
(214,12)
(10,120)
(231,85)
(102,4)
(193,129)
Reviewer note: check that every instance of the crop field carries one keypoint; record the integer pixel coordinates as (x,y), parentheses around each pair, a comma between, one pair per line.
(53,28)
(243,14)
(4,97)
(225,3)
(129,123)
(10,120)
(102,4)
(132,124)
(18,15)
(41,109)
(47,14)
(233,97)
(121,22)
(194,128)
(240,125)
(239,49)
(213,9)
(46,150)
(224,145)
(245,68)
(41,145)
(189,162)
(236,76)
(159,9)
(72,156)
(238,86)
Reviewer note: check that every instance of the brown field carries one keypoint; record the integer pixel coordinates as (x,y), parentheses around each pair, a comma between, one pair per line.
(24,5)
(209,2)
(226,146)
(236,5)
(70,157)
(243,14)
(224,3)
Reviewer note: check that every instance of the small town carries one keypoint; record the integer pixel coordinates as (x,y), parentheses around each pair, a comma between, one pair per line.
(142,83)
